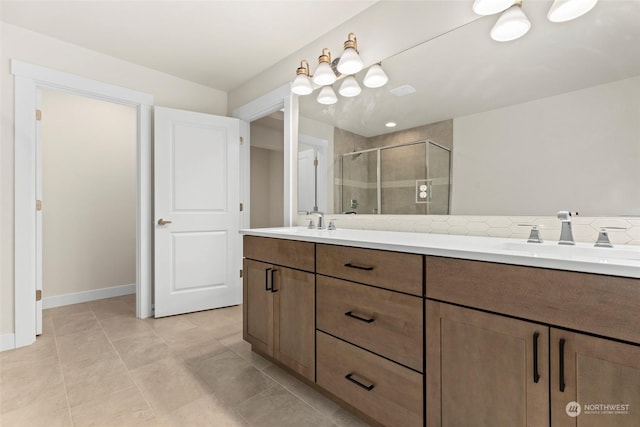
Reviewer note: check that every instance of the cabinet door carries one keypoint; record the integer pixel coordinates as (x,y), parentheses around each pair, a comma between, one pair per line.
(257,306)
(595,372)
(484,369)
(294,321)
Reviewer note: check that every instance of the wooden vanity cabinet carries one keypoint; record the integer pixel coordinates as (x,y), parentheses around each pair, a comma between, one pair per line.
(481,365)
(485,370)
(370,332)
(279,305)
(594,371)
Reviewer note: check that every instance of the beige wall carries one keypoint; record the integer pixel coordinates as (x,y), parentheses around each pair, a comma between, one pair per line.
(267,175)
(267,181)
(89,194)
(168,91)
(528,158)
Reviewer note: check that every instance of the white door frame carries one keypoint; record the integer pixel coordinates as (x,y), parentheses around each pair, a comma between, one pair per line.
(266,104)
(28,79)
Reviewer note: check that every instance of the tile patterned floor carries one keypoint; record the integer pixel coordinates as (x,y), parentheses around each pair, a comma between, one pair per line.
(97,365)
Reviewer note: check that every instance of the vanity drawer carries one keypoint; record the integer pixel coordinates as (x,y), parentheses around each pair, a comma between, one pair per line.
(392,270)
(395,397)
(386,322)
(599,304)
(289,253)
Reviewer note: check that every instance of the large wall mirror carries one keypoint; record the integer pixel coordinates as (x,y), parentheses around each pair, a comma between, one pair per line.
(547,122)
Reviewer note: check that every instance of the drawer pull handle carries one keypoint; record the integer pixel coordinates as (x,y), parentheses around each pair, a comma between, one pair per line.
(273,283)
(360,318)
(367,387)
(359,267)
(266,279)
(536,374)
(561,379)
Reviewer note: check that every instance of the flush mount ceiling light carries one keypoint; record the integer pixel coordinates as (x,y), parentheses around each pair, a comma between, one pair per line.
(391,124)
(350,62)
(327,96)
(566,10)
(375,77)
(490,7)
(511,25)
(324,74)
(302,84)
(349,87)
(329,72)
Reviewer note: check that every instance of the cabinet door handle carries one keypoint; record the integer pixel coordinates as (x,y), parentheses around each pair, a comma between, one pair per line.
(561,357)
(360,318)
(536,374)
(359,267)
(266,279)
(367,387)
(273,283)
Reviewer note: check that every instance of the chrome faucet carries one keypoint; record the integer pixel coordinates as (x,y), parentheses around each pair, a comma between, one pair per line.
(566,235)
(320,219)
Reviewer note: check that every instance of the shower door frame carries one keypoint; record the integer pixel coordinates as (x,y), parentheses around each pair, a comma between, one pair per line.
(378,169)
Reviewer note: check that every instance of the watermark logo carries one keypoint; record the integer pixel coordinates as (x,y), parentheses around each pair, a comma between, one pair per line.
(573,409)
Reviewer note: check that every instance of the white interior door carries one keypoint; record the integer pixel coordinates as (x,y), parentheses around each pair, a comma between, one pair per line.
(196,176)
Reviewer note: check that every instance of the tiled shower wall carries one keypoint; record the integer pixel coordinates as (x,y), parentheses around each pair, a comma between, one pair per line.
(585,229)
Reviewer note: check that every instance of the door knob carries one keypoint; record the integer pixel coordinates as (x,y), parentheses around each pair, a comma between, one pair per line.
(163,222)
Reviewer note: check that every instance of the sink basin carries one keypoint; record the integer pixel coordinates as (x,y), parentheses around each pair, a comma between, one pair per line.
(566,251)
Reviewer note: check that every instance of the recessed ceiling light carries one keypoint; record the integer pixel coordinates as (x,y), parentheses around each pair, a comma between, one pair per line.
(390,124)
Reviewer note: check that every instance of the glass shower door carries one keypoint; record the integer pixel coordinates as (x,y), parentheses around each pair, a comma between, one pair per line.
(360,182)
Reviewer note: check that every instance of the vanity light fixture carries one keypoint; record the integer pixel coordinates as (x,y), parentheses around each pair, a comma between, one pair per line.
(327,96)
(375,77)
(302,84)
(349,87)
(329,72)
(324,74)
(350,62)
(511,25)
(566,10)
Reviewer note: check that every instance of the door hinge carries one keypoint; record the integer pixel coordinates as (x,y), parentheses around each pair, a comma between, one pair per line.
(38,295)
(38,115)
(38,205)
(240,273)
(241,207)
(241,140)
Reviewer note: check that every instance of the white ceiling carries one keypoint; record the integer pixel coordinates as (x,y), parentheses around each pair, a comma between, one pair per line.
(220,44)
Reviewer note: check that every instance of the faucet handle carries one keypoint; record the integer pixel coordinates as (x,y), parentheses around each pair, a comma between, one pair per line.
(311,224)
(534,236)
(603,237)
(332,224)
(566,215)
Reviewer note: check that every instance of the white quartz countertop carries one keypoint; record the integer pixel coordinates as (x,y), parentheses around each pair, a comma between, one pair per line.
(618,261)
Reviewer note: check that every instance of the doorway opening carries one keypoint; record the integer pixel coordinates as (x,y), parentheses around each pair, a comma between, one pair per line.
(267,171)
(86,230)
(28,79)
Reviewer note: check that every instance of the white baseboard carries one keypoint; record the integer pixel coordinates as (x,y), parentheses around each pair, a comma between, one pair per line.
(7,342)
(78,297)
